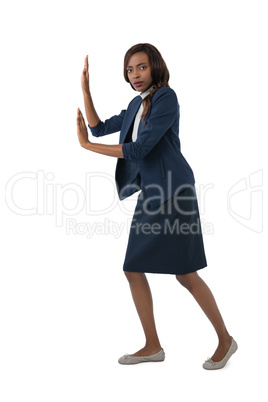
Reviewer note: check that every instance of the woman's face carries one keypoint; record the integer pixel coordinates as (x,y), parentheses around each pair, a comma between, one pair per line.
(139,71)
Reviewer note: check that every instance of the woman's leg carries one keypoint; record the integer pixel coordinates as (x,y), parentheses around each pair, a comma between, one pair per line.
(204,297)
(142,297)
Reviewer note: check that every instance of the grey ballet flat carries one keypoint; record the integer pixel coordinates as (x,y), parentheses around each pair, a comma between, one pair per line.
(128,359)
(211,365)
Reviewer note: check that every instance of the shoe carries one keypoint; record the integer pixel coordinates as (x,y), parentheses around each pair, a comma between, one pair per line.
(128,359)
(211,365)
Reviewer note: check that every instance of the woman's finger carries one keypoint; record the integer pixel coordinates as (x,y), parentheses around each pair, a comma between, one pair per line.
(80,114)
(80,118)
(86,64)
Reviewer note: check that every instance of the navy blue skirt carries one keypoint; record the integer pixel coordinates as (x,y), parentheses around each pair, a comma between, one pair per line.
(166,239)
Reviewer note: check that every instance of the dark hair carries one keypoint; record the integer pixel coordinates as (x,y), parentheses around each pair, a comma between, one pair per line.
(159,70)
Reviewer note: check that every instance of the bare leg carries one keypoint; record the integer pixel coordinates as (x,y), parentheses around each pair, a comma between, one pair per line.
(142,298)
(204,297)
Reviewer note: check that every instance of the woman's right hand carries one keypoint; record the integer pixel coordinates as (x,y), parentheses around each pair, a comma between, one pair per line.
(85,77)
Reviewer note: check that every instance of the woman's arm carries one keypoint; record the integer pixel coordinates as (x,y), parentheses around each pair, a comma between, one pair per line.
(98,128)
(92,116)
(109,150)
(93,120)
(165,110)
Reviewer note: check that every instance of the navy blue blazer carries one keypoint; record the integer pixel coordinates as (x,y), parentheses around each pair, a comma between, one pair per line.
(154,160)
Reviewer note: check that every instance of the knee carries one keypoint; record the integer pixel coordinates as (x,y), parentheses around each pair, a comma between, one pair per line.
(187,280)
(133,276)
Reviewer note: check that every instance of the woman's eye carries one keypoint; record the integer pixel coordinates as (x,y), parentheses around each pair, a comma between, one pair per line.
(129,70)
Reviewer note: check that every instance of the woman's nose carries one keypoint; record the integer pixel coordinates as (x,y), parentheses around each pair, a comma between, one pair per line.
(136,74)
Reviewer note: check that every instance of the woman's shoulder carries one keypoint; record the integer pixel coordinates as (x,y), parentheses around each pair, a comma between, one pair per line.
(165,93)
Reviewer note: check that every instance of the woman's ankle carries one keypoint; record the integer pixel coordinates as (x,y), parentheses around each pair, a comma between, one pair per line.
(153,346)
(226,338)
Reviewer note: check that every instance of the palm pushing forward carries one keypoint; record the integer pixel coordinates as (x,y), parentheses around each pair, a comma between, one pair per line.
(85,77)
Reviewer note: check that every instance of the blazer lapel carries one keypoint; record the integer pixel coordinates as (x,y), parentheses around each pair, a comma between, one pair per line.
(131,113)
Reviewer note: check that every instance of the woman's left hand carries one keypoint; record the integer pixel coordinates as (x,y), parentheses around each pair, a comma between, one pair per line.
(82,129)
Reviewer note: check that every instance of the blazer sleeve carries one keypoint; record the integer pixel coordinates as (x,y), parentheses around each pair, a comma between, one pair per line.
(163,114)
(109,126)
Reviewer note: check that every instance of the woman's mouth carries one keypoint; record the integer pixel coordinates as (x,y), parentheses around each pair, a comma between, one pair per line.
(138,84)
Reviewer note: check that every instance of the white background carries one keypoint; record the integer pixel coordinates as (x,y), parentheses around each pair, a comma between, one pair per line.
(66,309)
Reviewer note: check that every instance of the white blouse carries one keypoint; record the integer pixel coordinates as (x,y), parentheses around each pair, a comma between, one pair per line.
(139,113)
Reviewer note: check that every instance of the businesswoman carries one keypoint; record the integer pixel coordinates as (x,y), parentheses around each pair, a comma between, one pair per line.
(165,235)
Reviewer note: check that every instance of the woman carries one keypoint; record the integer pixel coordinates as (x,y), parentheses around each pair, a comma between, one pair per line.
(165,235)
